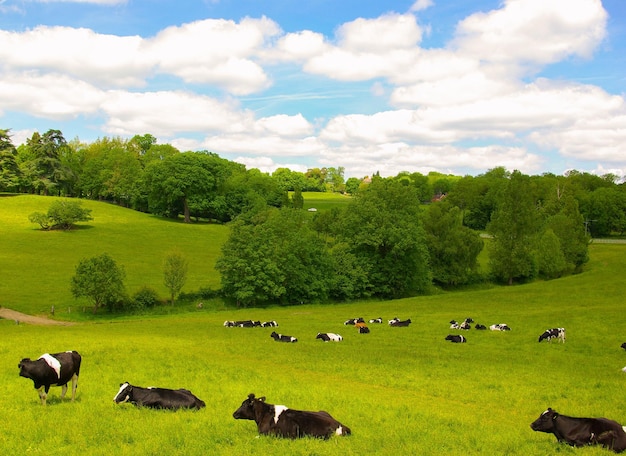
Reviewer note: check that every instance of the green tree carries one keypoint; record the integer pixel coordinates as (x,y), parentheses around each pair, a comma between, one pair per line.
(551,261)
(382,227)
(352,185)
(9,169)
(453,248)
(45,169)
(63,214)
(100,279)
(514,226)
(175,268)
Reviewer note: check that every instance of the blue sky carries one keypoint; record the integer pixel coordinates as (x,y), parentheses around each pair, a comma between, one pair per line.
(417,85)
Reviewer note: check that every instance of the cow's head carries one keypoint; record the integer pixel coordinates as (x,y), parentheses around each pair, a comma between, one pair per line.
(247,409)
(124,394)
(23,366)
(545,422)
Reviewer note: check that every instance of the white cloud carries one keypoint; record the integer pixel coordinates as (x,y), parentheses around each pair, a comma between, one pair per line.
(420,5)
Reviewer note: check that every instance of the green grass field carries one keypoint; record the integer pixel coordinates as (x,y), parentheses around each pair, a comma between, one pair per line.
(400,390)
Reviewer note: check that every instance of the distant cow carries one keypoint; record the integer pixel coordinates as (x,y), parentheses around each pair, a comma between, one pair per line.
(364,330)
(158,398)
(582,431)
(270,324)
(242,323)
(480,327)
(398,322)
(281,421)
(282,338)
(354,321)
(376,320)
(52,370)
(456,339)
(500,327)
(329,337)
(623,345)
(553,333)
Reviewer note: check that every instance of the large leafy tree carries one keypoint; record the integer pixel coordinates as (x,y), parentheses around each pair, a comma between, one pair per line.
(100,279)
(382,227)
(45,169)
(9,168)
(453,248)
(515,225)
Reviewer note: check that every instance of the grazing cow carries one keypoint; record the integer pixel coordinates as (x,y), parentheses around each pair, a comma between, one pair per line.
(52,370)
(282,338)
(398,323)
(553,333)
(267,324)
(479,326)
(157,398)
(354,321)
(364,330)
(582,431)
(456,339)
(281,421)
(500,327)
(329,337)
(376,320)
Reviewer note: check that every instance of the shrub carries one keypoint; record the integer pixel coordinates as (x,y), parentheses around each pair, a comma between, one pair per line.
(146,297)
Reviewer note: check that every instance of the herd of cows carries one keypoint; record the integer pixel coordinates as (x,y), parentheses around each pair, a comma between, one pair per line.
(59,369)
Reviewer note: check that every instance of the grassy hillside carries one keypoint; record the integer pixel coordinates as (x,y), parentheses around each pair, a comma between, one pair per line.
(401,390)
(36,266)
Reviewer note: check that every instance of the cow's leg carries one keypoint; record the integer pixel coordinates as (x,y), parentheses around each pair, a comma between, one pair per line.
(607,439)
(74,386)
(43,394)
(63,391)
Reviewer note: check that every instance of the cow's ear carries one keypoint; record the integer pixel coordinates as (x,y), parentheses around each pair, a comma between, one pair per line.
(251,396)
(262,399)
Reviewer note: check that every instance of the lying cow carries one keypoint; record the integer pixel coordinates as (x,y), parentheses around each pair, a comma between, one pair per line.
(480,327)
(329,337)
(623,345)
(282,338)
(157,398)
(376,320)
(281,421)
(52,370)
(399,323)
(553,333)
(582,431)
(354,321)
(456,339)
(269,324)
(500,327)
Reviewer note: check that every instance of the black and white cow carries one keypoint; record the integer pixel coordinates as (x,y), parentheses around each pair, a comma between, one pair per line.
(582,431)
(456,339)
(157,398)
(282,338)
(623,345)
(363,330)
(269,324)
(376,320)
(281,421)
(480,327)
(354,321)
(329,337)
(500,327)
(553,333)
(399,323)
(52,370)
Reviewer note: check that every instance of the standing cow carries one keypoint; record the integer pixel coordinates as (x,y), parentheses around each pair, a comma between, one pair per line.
(281,421)
(52,370)
(582,431)
(553,333)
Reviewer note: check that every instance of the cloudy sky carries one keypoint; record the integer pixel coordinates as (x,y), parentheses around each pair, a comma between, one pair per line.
(454,86)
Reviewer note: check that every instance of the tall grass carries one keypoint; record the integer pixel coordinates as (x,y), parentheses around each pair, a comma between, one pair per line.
(401,390)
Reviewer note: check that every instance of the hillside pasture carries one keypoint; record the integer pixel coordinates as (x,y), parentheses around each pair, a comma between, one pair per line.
(400,390)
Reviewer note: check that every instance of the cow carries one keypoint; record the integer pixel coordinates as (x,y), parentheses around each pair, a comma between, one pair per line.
(582,431)
(398,323)
(329,337)
(623,345)
(52,370)
(453,324)
(553,333)
(280,421)
(354,321)
(376,320)
(364,330)
(282,338)
(480,327)
(157,398)
(500,327)
(456,339)
(269,324)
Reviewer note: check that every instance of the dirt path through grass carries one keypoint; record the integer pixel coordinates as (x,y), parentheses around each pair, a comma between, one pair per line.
(20,317)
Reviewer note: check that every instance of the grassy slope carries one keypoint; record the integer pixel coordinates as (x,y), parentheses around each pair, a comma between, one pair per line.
(401,390)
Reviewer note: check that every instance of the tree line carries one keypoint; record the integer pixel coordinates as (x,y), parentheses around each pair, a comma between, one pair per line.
(397,236)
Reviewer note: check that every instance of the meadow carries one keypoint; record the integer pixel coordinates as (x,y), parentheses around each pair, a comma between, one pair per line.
(400,390)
